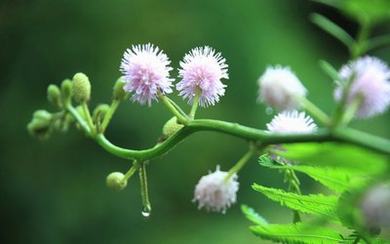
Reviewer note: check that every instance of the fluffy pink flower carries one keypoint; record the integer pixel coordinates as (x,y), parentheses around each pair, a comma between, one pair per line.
(216,193)
(292,122)
(371,80)
(202,69)
(145,69)
(280,88)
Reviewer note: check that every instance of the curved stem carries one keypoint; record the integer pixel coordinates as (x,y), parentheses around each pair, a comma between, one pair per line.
(114,105)
(180,118)
(85,108)
(243,160)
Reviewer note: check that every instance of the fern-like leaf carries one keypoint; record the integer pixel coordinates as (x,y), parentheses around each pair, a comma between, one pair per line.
(251,215)
(298,233)
(311,204)
(336,179)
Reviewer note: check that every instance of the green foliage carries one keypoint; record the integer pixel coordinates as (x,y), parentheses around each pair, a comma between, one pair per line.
(252,215)
(333,29)
(336,179)
(352,158)
(363,11)
(311,204)
(296,233)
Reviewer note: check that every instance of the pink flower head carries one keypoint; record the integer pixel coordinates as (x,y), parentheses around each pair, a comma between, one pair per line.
(215,192)
(146,72)
(292,122)
(371,80)
(202,70)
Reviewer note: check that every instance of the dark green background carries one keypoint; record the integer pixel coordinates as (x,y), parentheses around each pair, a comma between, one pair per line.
(54,191)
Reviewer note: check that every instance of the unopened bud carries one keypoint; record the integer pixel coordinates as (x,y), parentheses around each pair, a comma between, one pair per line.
(66,90)
(115,181)
(40,125)
(81,87)
(118,92)
(54,95)
(171,127)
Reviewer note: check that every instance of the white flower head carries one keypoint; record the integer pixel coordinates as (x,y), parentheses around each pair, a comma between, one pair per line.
(292,122)
(202,70)
(279,88)
(146,70)
(216,193)
(371,80)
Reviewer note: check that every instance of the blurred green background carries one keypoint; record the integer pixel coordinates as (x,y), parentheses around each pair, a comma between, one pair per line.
(54,191)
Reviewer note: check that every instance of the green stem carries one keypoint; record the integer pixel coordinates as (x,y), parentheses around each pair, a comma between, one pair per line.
(243,160)
(144,190)
(315,111)
(88,116)
(131,171)
(79,119)
(180,118)
(107,118)
(195,104)
(345,135)
(293,186)
(357,239)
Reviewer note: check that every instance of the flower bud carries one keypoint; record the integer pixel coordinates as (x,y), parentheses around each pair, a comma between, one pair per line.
(171,127)
(115,181)
(54,95)
(66,90)
(81,88)
(40,125)
(118,92)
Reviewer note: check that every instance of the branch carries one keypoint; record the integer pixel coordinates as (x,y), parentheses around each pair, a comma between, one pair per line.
(250,134)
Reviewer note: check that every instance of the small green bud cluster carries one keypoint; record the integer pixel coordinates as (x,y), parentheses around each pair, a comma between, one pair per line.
(116,181)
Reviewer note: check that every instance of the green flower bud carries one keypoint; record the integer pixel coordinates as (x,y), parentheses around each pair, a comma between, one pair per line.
(81,88)
(40,125)
(115,181)
(54,95)
(66,90)
(99,113)
(42,115)
(171,127)
(118,92)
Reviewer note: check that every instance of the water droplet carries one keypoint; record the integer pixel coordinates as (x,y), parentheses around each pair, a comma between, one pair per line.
(269,110)
(146,211)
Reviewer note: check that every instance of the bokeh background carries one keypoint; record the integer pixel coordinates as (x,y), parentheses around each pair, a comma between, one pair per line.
(54,191)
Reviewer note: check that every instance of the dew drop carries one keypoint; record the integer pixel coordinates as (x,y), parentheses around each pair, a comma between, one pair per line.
(146,211)
(269,110)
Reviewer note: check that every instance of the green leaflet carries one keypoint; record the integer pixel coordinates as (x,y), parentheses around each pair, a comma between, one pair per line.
(363,11)
(296,233)
(336,179)
(333,29)
(311,204)
(252,215)
(352,158)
